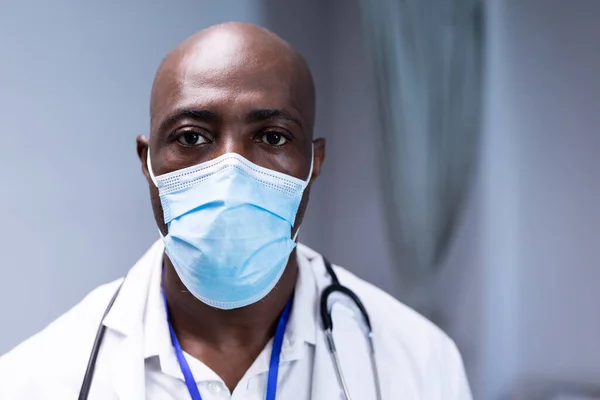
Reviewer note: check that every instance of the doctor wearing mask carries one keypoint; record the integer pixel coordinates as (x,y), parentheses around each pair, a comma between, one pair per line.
(226,305)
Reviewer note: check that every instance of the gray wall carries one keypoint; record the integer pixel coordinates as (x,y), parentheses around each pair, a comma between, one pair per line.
(521,287)
(557,106)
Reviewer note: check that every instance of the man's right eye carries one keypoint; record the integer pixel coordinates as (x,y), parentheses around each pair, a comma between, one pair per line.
(191,139)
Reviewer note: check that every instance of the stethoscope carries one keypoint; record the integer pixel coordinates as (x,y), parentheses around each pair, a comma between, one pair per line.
(325,312)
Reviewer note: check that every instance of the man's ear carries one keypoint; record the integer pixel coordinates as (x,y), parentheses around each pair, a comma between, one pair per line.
(142,145)
(318,157)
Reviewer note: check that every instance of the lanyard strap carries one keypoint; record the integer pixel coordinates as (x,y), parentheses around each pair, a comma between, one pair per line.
(190,382)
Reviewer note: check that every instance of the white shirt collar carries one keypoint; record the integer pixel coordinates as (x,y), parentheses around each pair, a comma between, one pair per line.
(301,327)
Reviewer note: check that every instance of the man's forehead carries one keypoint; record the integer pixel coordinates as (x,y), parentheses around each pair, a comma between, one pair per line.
(199,72)
(234,61)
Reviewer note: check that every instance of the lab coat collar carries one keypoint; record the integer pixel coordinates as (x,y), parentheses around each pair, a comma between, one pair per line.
(127,313)
(157,339)
(303,318)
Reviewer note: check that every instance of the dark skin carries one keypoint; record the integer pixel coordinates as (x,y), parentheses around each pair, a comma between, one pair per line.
(231,88)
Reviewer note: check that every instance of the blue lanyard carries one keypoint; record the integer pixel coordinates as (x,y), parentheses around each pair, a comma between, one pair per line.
(190,382)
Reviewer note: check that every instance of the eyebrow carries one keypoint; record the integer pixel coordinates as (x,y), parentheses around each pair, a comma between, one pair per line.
(211,116)
(266,114)
(198,115)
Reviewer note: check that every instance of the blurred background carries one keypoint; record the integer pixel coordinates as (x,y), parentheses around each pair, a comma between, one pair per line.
(462,176)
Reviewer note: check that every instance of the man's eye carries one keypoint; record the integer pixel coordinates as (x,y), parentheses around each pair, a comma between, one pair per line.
(191,139)
(274,139)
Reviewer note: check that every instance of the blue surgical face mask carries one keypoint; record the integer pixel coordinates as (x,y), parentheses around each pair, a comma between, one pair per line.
(229,227)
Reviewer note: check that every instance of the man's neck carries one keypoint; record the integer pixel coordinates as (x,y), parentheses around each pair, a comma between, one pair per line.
(247,327)
(227,341)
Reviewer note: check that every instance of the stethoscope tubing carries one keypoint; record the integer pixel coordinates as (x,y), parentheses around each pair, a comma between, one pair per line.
(327,321)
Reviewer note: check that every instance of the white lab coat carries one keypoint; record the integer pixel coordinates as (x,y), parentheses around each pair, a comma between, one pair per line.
(415,359)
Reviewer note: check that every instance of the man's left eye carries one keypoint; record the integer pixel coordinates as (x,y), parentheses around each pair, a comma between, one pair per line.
(274,139)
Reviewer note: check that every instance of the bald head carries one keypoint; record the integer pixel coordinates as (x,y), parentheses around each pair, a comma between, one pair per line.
(237,55)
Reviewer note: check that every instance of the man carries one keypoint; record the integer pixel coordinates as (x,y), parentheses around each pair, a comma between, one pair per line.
(226,306)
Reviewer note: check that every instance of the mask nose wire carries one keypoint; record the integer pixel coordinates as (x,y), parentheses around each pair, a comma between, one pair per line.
(307,181)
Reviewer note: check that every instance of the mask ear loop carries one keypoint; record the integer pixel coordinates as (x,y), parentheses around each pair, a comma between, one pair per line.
(312,163)
(149,165)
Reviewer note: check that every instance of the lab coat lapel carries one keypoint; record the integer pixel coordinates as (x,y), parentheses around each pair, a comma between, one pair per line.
(125,323)
(128,373)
